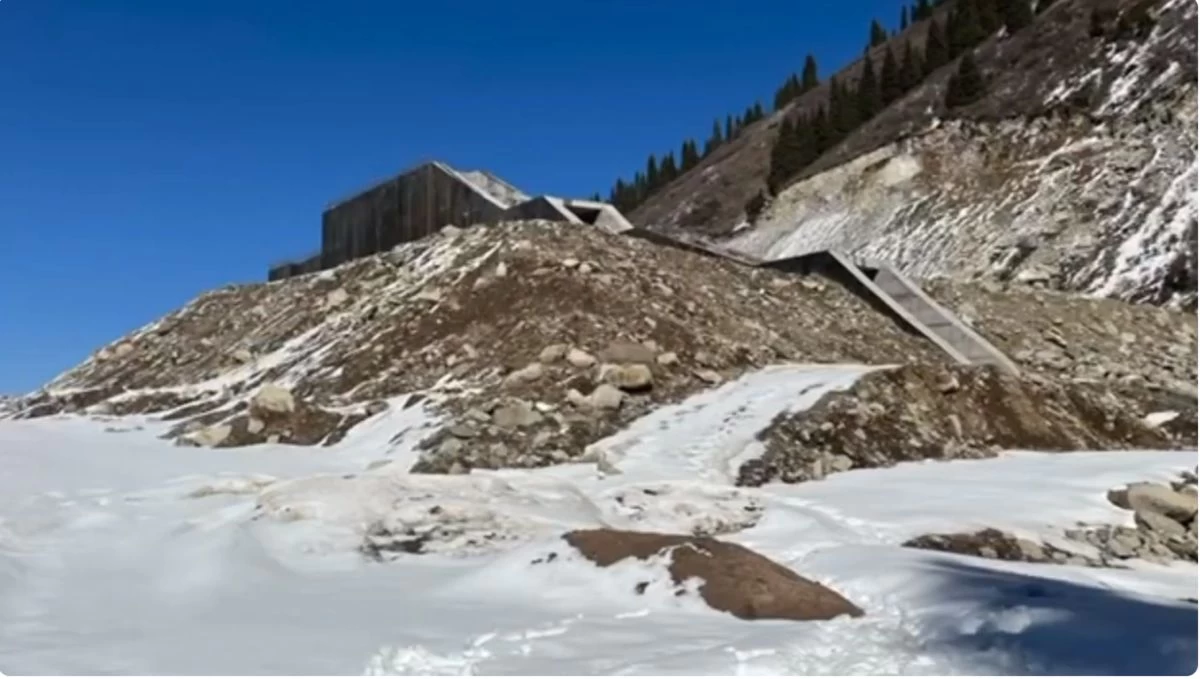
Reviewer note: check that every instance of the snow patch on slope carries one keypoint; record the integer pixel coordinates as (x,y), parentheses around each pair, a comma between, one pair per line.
(218,583)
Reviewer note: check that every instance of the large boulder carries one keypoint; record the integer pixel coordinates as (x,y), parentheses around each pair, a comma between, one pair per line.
(736,580)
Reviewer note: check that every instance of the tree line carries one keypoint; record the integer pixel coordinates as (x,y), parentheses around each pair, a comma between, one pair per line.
(881,81)
(801,140)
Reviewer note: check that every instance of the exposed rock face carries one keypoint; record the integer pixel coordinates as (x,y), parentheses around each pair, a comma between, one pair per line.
(735,579)
(939,412)
(1076,171)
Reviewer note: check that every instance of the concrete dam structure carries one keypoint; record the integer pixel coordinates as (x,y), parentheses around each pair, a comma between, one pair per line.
(419,202)
(422,200)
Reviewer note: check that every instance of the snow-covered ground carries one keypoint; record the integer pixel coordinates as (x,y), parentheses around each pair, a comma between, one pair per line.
(120,553)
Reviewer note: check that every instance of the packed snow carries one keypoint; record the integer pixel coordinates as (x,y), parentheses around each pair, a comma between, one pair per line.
(123,554)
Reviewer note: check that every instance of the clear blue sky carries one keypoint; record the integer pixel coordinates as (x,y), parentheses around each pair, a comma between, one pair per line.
(154,149)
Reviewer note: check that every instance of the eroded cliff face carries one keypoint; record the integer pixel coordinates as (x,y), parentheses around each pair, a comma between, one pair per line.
(1076,171)
(1105,209)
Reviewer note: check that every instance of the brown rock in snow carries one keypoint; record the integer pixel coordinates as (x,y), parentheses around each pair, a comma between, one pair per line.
(736,580)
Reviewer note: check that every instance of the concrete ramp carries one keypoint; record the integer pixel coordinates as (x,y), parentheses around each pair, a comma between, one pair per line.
(894,294)
(967,344)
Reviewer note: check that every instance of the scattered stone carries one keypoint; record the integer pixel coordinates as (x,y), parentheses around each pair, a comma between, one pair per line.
(273,398)
(209,437)
(628,352)
(336,297)
(990,543)
(530,373)
(463,430)
(255,425)
(1159,499)
(735,579)
(606,397)
(580,358)
(708,375)
(1159,523)
(516,413)
(667,359)
(632,377)
(376,407)
(242,355)
(553,353)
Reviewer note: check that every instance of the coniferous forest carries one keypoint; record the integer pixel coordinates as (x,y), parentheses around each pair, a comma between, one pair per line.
(884,78)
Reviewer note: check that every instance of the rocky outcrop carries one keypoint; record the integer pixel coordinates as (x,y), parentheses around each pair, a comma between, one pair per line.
(942,413)
(1164,529)
(734,579)
(990,543)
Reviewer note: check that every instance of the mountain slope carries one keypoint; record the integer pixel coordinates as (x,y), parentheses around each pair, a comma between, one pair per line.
(1077,169)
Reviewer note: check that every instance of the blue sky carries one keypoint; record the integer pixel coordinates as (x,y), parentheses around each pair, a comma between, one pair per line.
(154,149)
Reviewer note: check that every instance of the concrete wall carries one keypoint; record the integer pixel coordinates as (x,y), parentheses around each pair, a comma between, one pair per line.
(310,264)
(402,209)
(535,208)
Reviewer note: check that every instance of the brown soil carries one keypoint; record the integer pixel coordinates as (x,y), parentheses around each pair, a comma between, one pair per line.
(736,580)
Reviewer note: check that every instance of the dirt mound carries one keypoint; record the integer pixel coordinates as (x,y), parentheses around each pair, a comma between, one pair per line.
(948,412)
(736,580)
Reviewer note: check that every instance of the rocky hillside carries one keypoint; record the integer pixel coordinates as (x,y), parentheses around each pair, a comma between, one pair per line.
(532,340)
(1076,170)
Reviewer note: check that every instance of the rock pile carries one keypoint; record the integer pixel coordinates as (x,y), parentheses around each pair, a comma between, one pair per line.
(272,415)
(946,412)
(990,543)
(542,336)
(1164,529)
(1096,341)
(534,339)
(1164,518)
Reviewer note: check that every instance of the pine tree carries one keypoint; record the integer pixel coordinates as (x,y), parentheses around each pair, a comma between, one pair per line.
(878,34)
(869,99)
(922,10)
(689,157)
(811,78)
(937,47)
(823,135)
(1017,14)
(966,28)
(967,84)
(843,111)
(639,188)
(758,112)
(1043,5)
(910,67)
(891,80)
(904,18)
(990,17)
(618,195)
(783,155)
(730,130)
(652,177)
(669,171)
